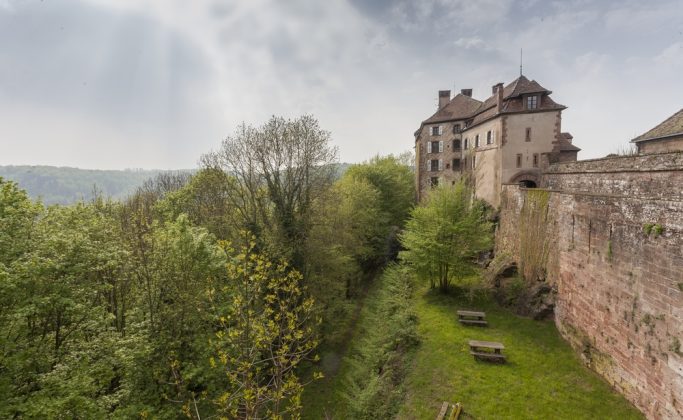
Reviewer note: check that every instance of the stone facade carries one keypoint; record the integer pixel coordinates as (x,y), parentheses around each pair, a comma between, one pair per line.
(670,144)
(448,153)
(504,138)
(614,233)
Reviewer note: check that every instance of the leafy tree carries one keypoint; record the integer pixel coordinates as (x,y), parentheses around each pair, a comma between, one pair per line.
(205,200)
(443,238)
(347,233)
(265,332)
(278,169)
(17,218)
(394,181)
(59,325)
(177,262)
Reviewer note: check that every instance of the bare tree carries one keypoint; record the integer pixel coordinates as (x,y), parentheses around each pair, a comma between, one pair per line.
(278,170)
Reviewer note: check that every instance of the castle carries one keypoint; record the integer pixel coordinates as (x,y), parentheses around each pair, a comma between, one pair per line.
(603,237)
(507,138)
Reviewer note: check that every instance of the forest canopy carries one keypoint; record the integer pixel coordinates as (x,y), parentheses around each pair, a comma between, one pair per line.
(200,293)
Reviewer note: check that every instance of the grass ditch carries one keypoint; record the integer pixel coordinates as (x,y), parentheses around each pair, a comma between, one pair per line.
(366,380)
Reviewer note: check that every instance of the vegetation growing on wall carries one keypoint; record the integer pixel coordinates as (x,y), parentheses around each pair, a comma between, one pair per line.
(533,235)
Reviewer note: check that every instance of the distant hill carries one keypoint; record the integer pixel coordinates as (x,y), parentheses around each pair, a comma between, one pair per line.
(63,185)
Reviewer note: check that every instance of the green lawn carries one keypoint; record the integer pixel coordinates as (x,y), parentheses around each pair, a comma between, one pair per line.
(543,379)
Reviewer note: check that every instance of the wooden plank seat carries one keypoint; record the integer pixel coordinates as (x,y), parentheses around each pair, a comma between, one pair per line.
(442,413)
(487,350)
(454,414)
(472,318)
(473,321)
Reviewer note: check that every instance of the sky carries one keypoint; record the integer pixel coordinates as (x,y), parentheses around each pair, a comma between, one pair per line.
(114,84)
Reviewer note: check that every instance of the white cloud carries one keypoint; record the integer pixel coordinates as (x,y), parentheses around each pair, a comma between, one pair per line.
(470,43)
(370,77)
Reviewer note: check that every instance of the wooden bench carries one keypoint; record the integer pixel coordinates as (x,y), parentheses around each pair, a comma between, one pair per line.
(455,410)
(472,318)
(487,350)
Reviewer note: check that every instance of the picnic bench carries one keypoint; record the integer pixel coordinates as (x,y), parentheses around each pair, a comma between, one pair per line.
(487,350)
(455,410)
(472,318)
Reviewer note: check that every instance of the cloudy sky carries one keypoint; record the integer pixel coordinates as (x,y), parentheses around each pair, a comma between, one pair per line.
(154,84)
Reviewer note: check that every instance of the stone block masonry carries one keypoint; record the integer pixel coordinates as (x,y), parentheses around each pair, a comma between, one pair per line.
(615,237)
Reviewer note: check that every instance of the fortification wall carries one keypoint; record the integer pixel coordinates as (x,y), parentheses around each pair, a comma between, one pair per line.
(614,231)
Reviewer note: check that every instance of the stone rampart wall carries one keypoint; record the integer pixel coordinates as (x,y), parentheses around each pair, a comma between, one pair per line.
(615,229)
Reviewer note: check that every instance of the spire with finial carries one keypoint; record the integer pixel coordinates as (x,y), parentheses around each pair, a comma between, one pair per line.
(520,62)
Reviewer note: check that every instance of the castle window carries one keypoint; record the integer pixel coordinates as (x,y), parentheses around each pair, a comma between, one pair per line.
(519,160)
(434,146)
(535,160)
(456,128)
(436,130)
(456,145)
(434,181)
(532,102)
(476,141)
(489,137)
(467,143)
(434,165)
(456,164)
(474,162)
(528,134)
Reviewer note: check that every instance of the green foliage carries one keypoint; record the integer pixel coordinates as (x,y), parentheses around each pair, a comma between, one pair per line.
(278,170)
(657,229)
(653,228)
(206,202)
(444,237)
(647,228)
(17,217)
(395,183)
(380,361)
(61,317)
(265,332)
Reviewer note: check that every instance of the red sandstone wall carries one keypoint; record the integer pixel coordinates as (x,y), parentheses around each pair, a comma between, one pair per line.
(619,290)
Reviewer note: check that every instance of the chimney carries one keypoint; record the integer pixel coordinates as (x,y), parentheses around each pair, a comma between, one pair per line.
(498,91)
(466,92)
(444,98)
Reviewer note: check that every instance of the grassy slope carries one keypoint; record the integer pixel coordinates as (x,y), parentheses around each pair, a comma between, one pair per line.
(543,379)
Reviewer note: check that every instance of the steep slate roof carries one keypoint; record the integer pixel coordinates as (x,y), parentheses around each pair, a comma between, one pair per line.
(565,143)
(460,107)
(669,127)
(512,101)
(522,86)
(465,107)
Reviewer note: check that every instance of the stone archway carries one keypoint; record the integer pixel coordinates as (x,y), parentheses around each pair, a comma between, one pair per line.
(526,179)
